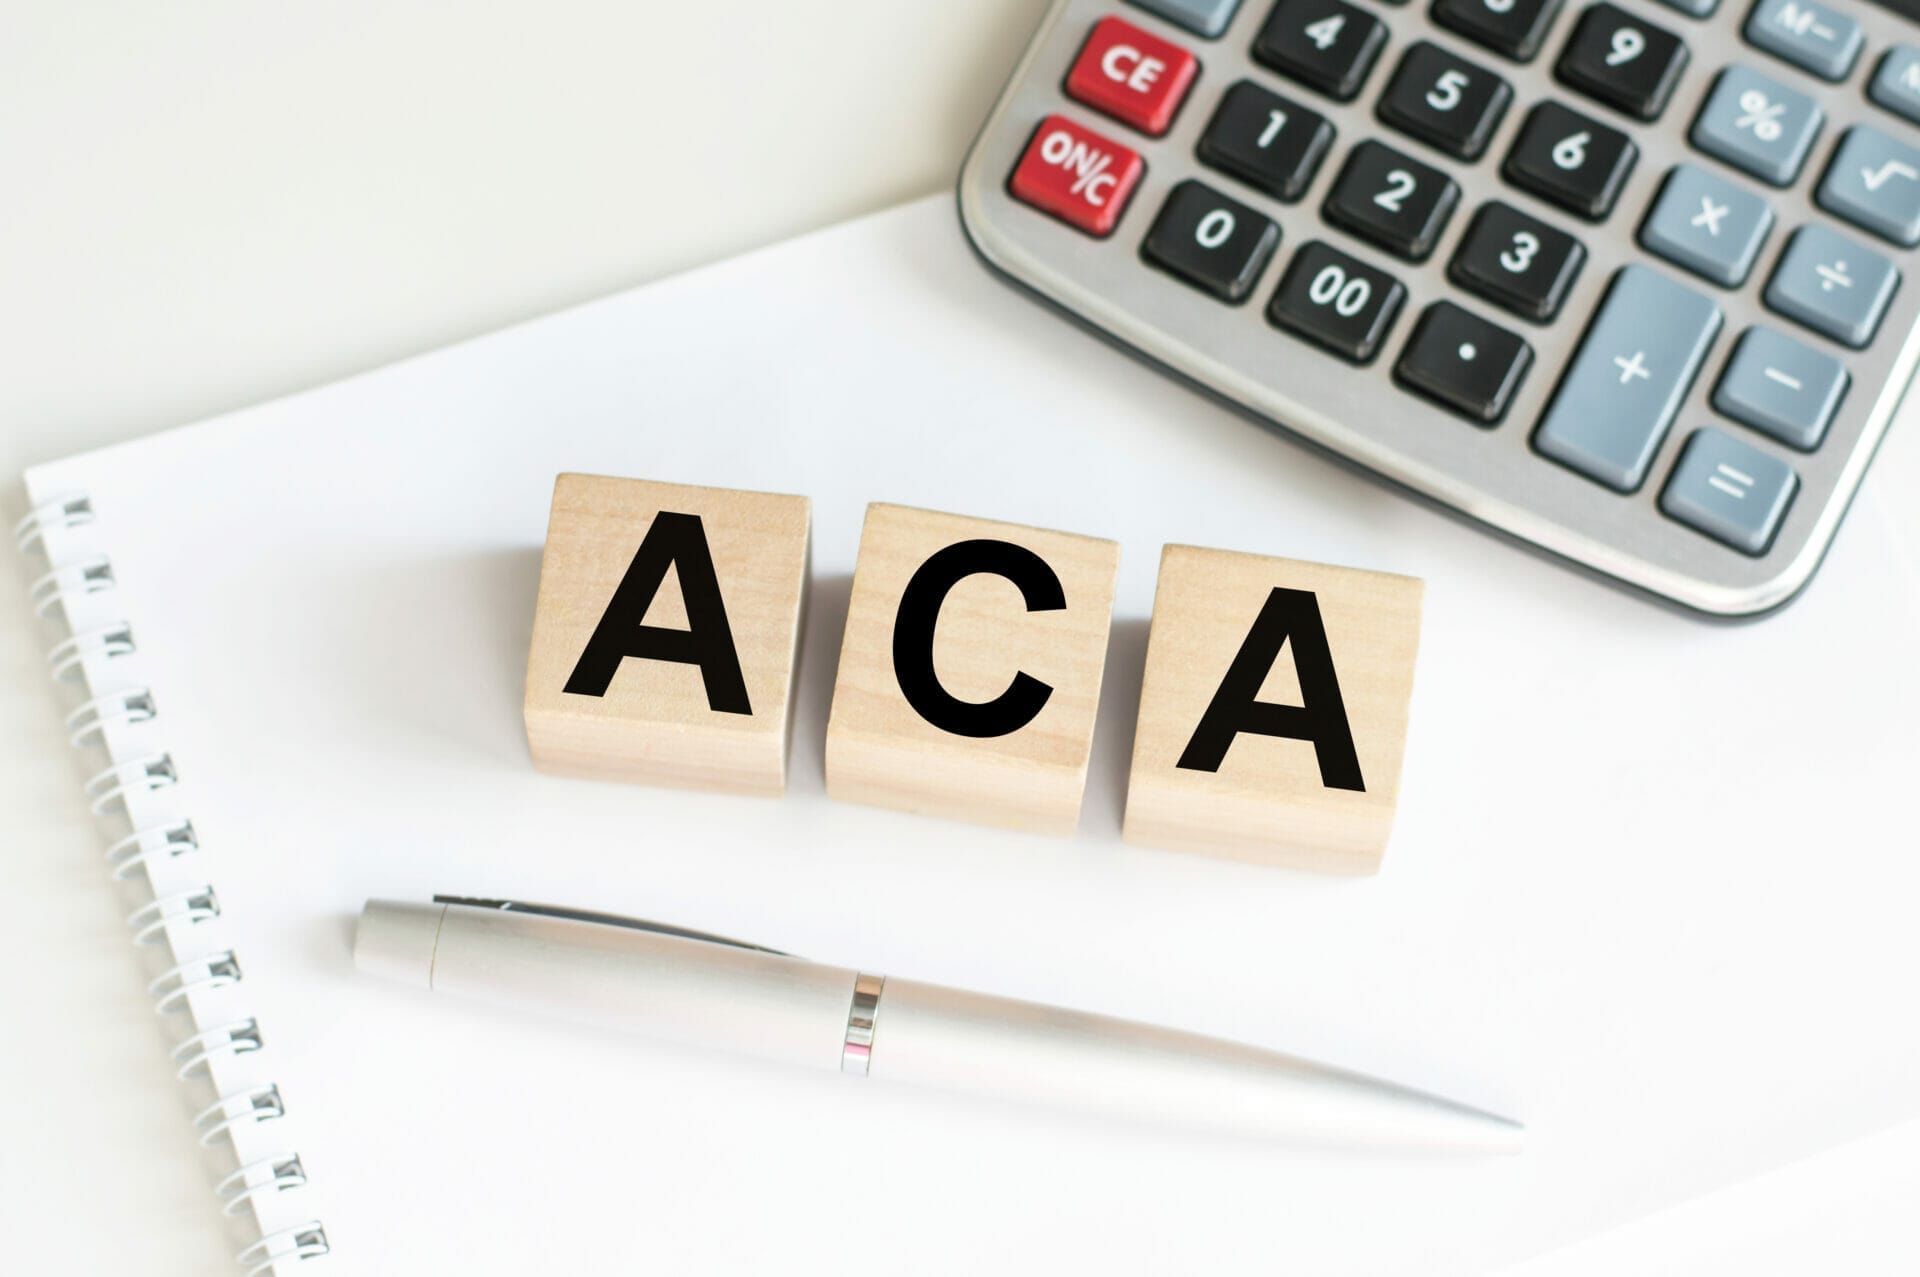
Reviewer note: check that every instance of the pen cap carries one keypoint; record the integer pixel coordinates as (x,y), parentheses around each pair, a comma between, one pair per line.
(395,940)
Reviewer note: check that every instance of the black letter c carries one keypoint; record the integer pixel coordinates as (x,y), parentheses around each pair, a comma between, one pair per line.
(913,637)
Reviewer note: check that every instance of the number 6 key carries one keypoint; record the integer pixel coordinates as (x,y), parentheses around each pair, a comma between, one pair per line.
(1572,160)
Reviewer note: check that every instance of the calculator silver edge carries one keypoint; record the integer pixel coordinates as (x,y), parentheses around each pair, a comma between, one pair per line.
(1492,476)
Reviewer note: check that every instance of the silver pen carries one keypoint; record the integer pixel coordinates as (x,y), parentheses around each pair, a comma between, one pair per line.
(689,987)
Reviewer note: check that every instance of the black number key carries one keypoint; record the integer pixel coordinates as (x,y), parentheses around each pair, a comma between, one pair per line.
(1336,302)
(1630,65)
(1517,261)
(1515,28)
(1445,101)
(1270,143)
(1325,44)
(1463,362)
(1398,203)
(1568,159)
(1218,245)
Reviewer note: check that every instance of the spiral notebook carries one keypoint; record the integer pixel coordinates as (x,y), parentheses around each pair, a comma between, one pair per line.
(1650,888)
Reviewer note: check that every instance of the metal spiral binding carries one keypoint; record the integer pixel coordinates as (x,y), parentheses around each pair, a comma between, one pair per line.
(145,847)
(91,719)
(171,989)
(61,512)
(268,1175)
(302,1242)
(256,1104)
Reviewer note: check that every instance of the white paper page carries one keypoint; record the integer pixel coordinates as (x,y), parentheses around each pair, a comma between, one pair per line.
(1651,887)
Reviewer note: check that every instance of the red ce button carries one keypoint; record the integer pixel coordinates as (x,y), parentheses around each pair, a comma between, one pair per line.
(1137,78)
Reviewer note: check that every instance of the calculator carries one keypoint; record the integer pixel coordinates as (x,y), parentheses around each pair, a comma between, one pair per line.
(1630,282)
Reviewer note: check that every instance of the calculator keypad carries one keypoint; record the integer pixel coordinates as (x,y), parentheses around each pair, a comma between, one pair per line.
(1627,382)
(1707,224)
(1572,160)
(1781,387)
(1215,243)
(1512,28)
(1202,17)
(1138,79)
(1622,61)
(1814,37)
(1327,45)
(1392,200)
(1713,380)
(1271,143)
(1833,285)
(1874,182)
(1730,490)
(1517,261)
(1462,362)
(1337,302)
(1896,84)
(1077,175)
(1445,101)
(1758,125)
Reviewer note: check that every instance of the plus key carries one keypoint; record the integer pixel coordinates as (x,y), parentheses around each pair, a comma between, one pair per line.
(1629,379)
(1078,176)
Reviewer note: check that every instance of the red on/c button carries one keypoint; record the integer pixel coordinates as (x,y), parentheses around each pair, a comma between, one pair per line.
(1137,78)
(1077,175)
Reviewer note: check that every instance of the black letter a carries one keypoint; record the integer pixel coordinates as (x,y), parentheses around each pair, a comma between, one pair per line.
(1322,719)
(675,541)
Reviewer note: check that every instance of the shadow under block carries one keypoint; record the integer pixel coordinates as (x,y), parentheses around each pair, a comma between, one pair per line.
(1259,739)
(665,635)
(970,672)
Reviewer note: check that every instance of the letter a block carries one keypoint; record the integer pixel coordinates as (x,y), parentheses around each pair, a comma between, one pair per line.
(1273,712)
(971,669)
(665,634)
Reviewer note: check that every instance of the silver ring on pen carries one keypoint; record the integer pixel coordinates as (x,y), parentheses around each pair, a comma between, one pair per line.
(856,1056)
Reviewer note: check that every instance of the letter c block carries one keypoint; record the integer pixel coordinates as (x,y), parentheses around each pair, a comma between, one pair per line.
(1273,711)
(665,634)
(970,672)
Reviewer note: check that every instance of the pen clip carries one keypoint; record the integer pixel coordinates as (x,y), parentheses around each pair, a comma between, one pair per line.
(605,920)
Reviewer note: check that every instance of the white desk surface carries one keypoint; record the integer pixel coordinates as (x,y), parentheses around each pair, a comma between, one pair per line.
(224,202)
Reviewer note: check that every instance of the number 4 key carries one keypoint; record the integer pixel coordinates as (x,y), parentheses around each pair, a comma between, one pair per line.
(1324,44)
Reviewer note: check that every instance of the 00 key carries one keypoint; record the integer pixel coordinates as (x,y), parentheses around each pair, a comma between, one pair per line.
(1336,302)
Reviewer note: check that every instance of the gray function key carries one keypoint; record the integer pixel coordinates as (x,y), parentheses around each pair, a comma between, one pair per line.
(1874,181)
(1815,37)
(1708,225)
(1832,285)
(1730,490)
(1780,387)
(1628,380)
(1202,17)
(1896,85)
(1758,125)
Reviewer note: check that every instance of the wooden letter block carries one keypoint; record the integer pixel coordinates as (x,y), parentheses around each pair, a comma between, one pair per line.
(665,634)
(1273,712)
(971,669)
